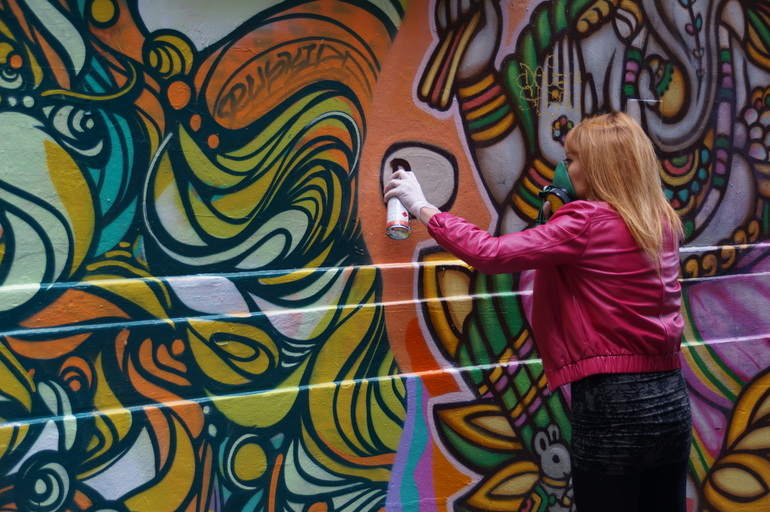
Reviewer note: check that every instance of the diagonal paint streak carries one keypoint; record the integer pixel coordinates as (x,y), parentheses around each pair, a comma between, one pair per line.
(424,467)
(405,487)
(274,479)
(396,487)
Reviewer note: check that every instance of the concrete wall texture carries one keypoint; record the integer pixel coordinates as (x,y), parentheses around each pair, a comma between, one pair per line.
(200,310)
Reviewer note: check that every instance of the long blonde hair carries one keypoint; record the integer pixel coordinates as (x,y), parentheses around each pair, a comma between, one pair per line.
(621,168)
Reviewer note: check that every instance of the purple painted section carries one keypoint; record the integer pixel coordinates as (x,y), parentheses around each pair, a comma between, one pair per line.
(411,482)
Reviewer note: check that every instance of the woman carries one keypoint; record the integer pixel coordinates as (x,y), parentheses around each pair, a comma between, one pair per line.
(606,312)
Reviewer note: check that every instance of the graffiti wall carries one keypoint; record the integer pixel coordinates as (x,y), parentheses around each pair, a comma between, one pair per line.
(200,310)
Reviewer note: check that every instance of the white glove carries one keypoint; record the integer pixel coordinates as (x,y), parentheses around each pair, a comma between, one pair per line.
(404,186)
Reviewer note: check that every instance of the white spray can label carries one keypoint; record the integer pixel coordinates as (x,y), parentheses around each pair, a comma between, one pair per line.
(397,226)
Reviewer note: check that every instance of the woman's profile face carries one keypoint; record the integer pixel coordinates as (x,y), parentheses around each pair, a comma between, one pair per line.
(576,175)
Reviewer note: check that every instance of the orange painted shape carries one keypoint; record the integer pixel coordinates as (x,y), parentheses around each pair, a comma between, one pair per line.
(190,413)
(195,122)
(74,385)
(47,349)
(148,354)
(436,381)
(448,480)
(16,61)
(123,35)
(166,358)
(179,94)
(206,458)
(74,306)
(177,347)
(77,367)
(82,500)
(274,479)
(306,44)
(213,141)
(159,424)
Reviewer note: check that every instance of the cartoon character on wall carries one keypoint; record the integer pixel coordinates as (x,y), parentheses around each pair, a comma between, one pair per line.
(554,492)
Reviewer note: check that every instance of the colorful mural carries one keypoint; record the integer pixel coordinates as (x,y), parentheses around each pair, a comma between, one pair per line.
(191,320)
(695,74)
(199,310)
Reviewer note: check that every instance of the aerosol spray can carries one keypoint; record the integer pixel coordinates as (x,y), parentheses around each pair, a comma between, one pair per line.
(398,226)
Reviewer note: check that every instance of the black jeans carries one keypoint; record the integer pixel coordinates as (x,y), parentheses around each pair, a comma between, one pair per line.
(631,436)
(628,422)
(661,489)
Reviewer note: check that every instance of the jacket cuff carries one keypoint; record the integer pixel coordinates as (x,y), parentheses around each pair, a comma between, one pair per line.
(436,222)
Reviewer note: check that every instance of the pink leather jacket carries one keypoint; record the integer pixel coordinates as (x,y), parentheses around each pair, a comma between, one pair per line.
(599,306)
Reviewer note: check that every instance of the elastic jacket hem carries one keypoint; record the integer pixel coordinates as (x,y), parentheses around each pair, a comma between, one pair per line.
(631,363)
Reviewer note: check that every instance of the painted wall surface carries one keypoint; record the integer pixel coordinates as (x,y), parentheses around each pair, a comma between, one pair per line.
(200,311)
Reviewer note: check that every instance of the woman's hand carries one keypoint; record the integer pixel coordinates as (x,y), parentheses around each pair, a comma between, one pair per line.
(404,186)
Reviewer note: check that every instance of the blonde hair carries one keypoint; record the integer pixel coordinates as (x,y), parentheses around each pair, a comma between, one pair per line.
(621,168)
